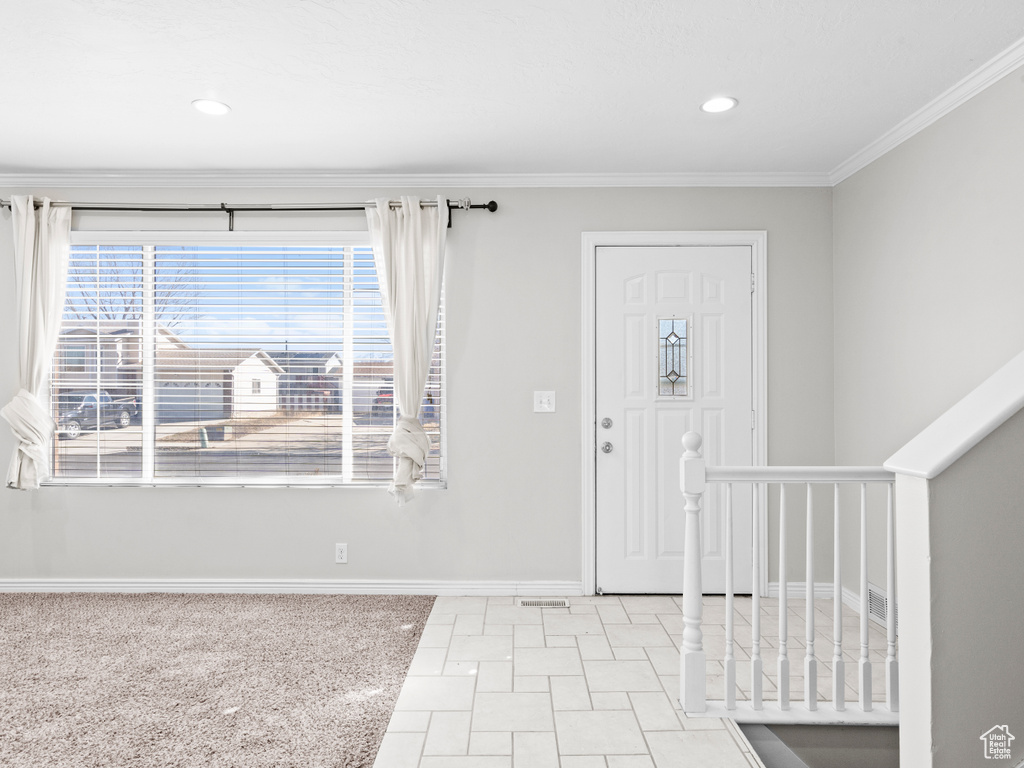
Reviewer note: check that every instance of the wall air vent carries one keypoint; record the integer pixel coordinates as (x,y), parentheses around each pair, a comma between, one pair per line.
(542,602)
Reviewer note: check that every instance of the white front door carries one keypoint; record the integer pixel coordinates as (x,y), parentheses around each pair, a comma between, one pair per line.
(673,354)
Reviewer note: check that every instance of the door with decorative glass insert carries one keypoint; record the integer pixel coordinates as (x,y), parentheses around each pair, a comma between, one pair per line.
(673,353)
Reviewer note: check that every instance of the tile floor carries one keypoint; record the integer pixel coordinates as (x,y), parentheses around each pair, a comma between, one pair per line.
(595,685)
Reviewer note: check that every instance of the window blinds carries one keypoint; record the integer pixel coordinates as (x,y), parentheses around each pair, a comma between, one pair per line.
(229,364)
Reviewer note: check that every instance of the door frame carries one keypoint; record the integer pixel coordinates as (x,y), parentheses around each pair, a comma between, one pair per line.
(757,240)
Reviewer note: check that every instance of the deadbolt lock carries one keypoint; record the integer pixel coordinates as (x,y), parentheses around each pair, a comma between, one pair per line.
(606,423)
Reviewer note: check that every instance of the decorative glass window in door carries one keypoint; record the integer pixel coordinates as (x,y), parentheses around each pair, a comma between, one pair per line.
(673,357)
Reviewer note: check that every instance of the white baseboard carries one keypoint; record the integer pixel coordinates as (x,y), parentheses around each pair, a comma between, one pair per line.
(851,599)
(797,590)
(297,586)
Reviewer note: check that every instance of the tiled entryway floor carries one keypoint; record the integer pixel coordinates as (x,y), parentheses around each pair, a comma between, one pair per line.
(595,685)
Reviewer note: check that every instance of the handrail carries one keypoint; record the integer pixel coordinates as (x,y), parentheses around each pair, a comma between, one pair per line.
(771,474)
(694,478)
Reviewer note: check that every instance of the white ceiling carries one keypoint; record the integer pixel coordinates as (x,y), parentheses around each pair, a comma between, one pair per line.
(549,87)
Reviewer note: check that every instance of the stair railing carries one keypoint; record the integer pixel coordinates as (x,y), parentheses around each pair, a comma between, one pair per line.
(694,477)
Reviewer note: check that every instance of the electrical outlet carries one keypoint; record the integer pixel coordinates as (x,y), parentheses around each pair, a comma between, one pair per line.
(341,553)
(543,402)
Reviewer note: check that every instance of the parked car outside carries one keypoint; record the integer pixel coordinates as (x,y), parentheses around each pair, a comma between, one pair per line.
(384,403)
(91,409)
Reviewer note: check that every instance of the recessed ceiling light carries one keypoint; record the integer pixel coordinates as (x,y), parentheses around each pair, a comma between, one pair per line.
(210,107)
(719,104)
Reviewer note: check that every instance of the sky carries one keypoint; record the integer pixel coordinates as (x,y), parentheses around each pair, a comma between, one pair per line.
(268,297)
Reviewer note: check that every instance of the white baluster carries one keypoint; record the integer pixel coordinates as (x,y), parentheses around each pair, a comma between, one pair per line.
(783,668)
(892,666)
(730,661)
(810,662)
(756,665)
(864,665)
(693,662)
(838,665)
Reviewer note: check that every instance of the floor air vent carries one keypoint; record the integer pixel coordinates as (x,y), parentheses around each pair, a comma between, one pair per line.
(541,602)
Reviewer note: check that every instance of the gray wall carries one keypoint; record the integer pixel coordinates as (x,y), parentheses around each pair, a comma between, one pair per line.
(927,277)
(960,671)
(512,510)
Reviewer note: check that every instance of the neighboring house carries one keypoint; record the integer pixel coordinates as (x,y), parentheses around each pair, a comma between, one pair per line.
(213,383)
(311,381)
(106,353)
(191,384)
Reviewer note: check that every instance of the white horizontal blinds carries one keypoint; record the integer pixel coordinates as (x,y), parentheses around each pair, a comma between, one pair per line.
(373,382)
(246,369)
(96,374)
(268,363)
(372,375)
(433,409)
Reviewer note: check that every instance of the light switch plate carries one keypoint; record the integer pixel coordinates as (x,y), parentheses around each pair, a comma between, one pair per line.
(543,402)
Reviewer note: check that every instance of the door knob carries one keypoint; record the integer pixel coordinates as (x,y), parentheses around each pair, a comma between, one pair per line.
(606,447)
(606,423)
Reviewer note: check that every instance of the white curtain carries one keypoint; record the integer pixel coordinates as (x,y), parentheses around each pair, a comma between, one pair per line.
(41,243)
(408,250)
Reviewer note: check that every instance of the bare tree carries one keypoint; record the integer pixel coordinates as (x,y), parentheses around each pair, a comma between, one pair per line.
(109,288)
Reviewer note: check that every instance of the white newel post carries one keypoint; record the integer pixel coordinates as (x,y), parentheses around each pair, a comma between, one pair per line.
(692,665)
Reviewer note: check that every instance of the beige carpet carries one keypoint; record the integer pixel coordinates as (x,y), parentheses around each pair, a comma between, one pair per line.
(201,680)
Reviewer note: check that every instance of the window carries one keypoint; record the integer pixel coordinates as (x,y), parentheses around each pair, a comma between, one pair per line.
(228,361)
(673,356)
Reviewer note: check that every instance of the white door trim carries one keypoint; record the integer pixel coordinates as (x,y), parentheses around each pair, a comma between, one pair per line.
(591,241)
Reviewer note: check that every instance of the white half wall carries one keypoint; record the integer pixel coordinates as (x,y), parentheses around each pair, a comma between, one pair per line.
(959,540)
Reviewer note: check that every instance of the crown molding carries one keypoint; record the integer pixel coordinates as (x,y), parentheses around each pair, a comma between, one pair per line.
(988,74)
(332,180)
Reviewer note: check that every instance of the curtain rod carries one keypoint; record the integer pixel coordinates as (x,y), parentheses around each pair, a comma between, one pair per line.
(230,209)
(463,204)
